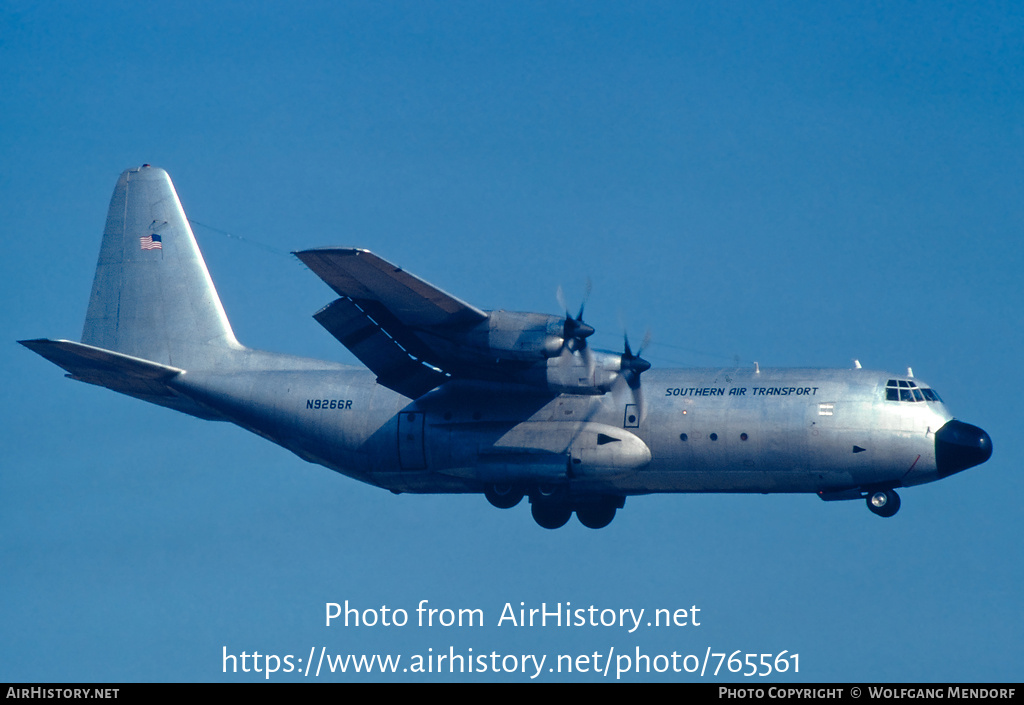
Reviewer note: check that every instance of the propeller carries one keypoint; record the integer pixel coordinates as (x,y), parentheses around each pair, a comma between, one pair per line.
(631,366)
(575,331)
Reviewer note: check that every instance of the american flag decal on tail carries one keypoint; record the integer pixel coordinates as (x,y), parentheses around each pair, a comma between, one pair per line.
(151,242)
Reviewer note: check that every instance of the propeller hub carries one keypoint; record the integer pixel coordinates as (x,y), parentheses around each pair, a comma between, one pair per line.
(575,328)
(631,361)
(638,365)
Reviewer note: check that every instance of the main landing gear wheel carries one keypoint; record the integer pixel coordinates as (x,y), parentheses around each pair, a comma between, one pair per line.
(551,515)
(884,503)
(503,496)
(596,516)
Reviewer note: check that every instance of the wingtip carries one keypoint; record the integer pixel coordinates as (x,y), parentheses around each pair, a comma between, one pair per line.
(306,256)
(334,250)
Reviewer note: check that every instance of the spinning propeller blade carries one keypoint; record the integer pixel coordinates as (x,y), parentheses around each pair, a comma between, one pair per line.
(575,331)
(631,366)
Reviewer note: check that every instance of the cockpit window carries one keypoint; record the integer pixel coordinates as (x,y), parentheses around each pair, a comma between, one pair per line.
(907,390)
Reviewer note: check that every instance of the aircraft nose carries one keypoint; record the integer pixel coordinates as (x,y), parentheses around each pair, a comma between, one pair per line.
(959,446)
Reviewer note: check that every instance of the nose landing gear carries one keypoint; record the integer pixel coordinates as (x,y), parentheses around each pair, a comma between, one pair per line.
(884,503)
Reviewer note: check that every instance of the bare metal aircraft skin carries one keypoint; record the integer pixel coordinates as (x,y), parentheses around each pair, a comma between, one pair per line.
(455,399)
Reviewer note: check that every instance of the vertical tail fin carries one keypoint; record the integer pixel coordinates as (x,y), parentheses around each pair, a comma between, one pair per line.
(152,297)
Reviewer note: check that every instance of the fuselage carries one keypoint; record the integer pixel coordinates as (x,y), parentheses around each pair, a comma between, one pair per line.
(705,430)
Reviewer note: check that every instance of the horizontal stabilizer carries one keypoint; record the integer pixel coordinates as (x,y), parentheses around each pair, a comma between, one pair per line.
(362,275)
(104,367)
(116,371)
(394,366)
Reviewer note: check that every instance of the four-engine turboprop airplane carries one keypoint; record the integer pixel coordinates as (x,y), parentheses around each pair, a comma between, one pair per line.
(511,405)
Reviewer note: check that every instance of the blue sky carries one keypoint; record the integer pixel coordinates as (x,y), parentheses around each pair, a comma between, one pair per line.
(799,184)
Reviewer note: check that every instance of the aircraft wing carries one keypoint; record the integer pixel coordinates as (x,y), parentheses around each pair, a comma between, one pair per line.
(363,276)
(396,368)
(386,315)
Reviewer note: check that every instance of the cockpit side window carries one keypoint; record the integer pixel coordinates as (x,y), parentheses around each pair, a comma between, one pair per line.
(907,390)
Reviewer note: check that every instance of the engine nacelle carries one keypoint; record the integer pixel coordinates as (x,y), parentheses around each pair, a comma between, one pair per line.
(510,335)
(587,372)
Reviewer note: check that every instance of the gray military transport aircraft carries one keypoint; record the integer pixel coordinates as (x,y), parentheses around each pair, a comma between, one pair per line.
(511,405)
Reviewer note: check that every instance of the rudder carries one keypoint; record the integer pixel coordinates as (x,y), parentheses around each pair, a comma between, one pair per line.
(152,297)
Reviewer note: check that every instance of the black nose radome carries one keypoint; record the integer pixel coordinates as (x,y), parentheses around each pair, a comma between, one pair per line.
(959,446)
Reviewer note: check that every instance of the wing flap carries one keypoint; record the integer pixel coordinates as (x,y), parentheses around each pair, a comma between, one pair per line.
(362,275)
(394,366)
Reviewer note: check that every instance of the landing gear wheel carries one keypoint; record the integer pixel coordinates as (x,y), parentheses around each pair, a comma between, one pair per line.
(884,503)
(596,516)
(503,496)
(551,515)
